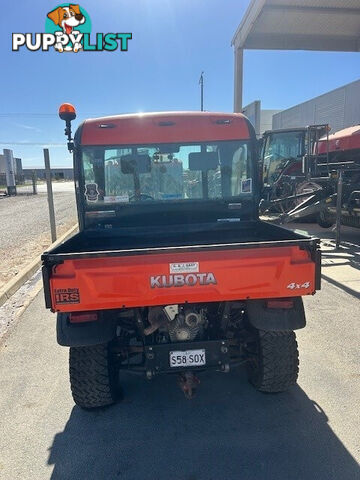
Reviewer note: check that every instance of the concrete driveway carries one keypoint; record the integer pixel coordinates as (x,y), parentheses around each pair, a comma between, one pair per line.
(62,186)
(57,187)
(340,267)
(229,431)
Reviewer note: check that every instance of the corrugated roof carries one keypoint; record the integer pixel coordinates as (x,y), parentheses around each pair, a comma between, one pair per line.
(332,25)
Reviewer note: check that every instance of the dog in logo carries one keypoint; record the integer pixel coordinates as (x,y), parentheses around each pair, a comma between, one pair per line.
(67,18)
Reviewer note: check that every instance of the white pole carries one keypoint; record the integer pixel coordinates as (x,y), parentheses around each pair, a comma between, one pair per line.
(10,171)
(238,78)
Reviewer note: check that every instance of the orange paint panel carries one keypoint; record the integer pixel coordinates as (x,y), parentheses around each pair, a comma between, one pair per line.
(146,280)
(165,127)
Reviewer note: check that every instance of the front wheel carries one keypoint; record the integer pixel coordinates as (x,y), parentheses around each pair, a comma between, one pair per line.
(274,361)
(94,379)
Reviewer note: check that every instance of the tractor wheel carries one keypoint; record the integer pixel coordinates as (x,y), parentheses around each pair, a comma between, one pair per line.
(274,361)
(323,220)
(94,379)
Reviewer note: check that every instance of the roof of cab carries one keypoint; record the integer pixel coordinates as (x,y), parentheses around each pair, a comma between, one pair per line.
(164,127)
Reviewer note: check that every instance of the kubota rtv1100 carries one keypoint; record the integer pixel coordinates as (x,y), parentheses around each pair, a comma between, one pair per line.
(172,272)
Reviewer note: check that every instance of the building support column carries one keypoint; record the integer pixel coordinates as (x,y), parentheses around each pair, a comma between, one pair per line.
(238,79)
(10,172)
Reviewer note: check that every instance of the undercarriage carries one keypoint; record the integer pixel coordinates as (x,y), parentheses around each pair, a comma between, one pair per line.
(185,340)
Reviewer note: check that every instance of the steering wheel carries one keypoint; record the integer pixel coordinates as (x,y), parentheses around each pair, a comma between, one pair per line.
(143,196)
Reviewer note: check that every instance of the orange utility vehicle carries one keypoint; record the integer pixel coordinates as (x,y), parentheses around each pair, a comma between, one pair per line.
(172,270)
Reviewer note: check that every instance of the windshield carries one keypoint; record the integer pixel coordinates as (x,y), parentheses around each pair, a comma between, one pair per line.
(279,150)
(167,172)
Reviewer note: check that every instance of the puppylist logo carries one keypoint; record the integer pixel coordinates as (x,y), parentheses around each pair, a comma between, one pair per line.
(68,29)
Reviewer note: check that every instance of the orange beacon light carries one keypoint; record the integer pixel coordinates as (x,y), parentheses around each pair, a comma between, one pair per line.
(67,112)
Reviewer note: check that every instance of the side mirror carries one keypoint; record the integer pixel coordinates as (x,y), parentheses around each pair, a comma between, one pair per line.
(203,161)
(135,164)
(67,113)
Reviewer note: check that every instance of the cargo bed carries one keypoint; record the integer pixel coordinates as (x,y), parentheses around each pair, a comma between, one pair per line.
(98,270)
(133,240)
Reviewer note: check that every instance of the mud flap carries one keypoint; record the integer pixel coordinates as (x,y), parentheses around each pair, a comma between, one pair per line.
(83,334)
(276,319)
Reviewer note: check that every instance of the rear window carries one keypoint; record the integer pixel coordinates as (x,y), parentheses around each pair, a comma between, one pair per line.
(171,172)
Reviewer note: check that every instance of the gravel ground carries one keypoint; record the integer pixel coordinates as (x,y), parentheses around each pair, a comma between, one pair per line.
(25,228)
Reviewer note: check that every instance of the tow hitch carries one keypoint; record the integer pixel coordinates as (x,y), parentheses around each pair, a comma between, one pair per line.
(188,383)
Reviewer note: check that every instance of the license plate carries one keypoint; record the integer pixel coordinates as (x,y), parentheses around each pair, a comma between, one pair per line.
(188,358)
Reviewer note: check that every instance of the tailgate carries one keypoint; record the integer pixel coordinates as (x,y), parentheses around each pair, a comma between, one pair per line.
(100,282)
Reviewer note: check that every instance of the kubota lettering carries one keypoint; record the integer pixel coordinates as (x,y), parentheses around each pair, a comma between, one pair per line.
(181,280)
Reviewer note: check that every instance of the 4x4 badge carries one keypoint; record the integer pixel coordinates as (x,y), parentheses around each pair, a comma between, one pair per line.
(296,286)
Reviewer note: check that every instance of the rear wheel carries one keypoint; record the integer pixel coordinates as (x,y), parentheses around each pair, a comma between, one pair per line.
(324,220)
(274,364)
(94,378)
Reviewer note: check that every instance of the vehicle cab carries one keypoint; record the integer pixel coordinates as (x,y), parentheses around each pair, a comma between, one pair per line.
(165,167)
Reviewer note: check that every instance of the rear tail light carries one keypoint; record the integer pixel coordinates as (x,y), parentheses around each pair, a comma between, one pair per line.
(279,303)
(83,317)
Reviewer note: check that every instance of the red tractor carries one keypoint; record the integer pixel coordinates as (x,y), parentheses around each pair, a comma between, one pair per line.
(300,173)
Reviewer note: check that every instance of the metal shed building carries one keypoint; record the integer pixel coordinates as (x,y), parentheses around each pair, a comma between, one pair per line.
(57,173)
(323,25)
(340,108)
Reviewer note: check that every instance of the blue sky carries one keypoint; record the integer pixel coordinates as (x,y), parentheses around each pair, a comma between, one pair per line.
(173,41)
